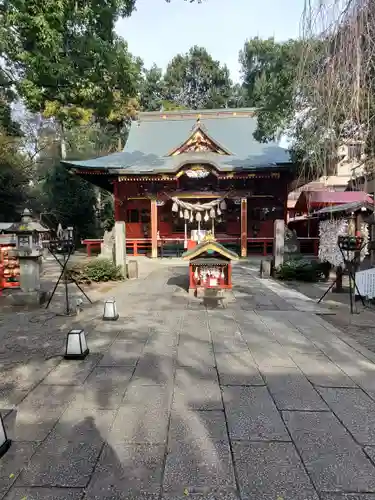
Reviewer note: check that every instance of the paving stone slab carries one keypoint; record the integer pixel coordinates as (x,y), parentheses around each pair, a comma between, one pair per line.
(45,494)
(196,465)
(161,341)
(188,426)
(38,413)
(253,328)
(26,376)
(197,389)
(271,355)
(13,462)
(143,416)
(126,333)
(252,415)
(123,353)
(332,458)
(347,496)
(238,368)
(72,372)
(229,343)
(355,410)
(291,390)
(69,454)
(195,355)
(268,471)
(104,388)
(321,371)
(154,369)
(11,397)
(132,469)
(208,495)
(370,452)
(110,494)
(290,337)
(101,338)
(223,324)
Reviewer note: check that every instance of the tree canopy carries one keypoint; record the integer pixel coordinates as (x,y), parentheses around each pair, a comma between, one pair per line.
(269,72)
(195,80)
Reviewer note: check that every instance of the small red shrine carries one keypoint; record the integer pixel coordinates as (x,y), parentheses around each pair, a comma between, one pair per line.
(210,265)
(182,172)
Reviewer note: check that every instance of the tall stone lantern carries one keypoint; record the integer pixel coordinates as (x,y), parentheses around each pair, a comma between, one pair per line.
(29,252)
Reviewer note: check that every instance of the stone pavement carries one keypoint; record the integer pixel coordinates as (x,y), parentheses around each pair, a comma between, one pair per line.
(262,400)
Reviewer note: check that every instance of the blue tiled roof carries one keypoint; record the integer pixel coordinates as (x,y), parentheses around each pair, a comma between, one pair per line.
(155,135)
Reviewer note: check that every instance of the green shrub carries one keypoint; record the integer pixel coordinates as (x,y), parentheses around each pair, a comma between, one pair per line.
(97,270)
(302,270)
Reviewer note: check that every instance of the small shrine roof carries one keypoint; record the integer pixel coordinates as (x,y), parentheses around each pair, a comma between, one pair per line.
(209,244)
(353,206)
(26,225)
(154,135)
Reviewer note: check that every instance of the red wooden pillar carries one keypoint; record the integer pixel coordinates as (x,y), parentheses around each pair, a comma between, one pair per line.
(243,227)
(154,229)
(116,199)
(191,277)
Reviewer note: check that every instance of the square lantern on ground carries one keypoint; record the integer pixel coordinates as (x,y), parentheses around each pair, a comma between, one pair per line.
(76,345)
(4,441)
(110,310)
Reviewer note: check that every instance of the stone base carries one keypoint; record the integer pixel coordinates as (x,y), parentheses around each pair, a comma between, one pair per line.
(265,269)
(30,299)
(132,268)
(77,356)
(221,294)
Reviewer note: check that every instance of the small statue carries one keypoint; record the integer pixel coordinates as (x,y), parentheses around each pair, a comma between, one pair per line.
(291,242)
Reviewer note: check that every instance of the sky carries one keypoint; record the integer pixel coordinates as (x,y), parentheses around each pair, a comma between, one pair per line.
(157,31)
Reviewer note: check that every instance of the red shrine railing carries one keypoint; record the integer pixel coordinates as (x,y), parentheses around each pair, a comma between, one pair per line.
(174,247)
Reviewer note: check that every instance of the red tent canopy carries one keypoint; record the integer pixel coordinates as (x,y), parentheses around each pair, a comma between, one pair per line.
(313,200)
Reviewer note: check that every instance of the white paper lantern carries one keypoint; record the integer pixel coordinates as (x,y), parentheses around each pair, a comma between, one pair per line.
(4,441)
(206,217)
(110,310)
(76,345)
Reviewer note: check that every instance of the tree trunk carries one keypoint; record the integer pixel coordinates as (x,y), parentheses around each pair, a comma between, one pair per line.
(62,141)
(339,274)
(119,140)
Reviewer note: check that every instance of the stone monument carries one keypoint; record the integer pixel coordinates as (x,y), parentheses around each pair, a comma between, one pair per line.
(278,243)
(120,245)
(29,253)
(107,247)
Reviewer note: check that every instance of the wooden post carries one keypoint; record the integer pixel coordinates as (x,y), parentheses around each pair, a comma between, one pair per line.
(154,229)
(243,227)
(116,199)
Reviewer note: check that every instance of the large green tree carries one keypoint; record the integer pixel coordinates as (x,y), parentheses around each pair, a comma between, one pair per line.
(269,71)
(152,92)
(65,59)
(15,175)
(196,81)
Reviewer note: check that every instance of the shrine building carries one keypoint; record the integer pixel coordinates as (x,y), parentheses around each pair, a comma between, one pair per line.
(183,173)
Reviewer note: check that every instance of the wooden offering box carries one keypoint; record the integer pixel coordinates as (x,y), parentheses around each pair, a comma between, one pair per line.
(210,265)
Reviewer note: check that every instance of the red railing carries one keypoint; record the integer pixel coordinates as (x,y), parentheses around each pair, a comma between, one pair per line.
(175,246)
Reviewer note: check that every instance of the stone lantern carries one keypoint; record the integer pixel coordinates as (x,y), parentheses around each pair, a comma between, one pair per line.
(28,251)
